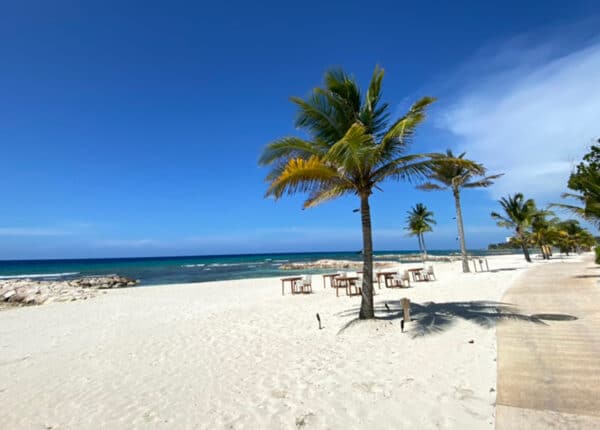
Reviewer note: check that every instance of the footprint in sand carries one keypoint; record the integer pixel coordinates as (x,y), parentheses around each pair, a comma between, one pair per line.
(279,394)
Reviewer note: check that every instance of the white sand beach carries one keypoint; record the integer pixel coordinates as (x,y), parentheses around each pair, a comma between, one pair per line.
(239,355)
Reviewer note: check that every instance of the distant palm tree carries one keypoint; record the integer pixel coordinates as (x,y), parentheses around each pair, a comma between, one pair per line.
(450,173)
(544,232)
(519,214)
(418,222)
(351,149)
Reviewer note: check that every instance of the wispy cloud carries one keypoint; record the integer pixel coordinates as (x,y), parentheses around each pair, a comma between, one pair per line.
(530,112)
(33,231)
(126,243)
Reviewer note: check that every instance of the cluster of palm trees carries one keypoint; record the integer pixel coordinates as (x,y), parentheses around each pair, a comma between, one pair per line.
(352,146)
(532,227)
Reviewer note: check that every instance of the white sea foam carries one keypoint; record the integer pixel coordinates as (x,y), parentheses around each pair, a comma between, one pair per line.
(39,275)
(193,265)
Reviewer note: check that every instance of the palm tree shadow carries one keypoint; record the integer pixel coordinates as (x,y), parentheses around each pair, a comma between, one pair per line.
(430,317)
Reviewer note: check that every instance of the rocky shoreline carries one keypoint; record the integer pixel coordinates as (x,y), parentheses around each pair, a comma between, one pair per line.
(20,292)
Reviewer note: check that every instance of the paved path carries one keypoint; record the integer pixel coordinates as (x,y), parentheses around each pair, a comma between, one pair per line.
(549,375)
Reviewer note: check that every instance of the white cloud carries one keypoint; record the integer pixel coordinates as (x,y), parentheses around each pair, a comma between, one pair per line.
(531,113)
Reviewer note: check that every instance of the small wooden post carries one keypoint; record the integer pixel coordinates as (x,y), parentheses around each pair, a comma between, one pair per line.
(406,309)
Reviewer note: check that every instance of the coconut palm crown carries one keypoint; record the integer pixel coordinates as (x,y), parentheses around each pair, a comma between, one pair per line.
(352,145)
(418,222)
(518,215)
(451,173)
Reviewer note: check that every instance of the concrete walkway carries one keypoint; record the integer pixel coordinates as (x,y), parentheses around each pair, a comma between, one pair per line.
(549,375)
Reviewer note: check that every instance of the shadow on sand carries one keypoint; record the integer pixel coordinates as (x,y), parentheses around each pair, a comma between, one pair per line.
(430,317)
(504,269)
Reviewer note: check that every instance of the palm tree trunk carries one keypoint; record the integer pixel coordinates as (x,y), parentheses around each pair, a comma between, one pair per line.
(461,231)
(524,246)
(424,249)
(366,304)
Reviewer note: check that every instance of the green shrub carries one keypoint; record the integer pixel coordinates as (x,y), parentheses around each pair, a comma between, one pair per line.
(597,249)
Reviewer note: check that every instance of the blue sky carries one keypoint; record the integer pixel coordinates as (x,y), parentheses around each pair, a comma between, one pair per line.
(134,128)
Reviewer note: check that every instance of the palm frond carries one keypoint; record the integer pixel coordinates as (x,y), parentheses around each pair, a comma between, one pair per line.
(326,193)
(300,175)
(483,183)
(373,114)
(400,133)
(502,221)
(408,168)
(289,147)
(354,152)
(430,186)
(317,116)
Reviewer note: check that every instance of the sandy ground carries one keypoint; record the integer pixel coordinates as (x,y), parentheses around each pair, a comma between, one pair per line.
(238,354)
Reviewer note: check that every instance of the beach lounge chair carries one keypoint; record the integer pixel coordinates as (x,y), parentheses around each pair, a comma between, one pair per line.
(393,281)
(406,278)
(429,274)
(335,283)
(354,286)
(398,280)
(304,285)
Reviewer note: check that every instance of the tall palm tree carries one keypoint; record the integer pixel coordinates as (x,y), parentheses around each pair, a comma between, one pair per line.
(351,148)
(418,222)
(451,174)
(518,214)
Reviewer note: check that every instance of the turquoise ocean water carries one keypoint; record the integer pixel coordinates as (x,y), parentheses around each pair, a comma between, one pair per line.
(170,270)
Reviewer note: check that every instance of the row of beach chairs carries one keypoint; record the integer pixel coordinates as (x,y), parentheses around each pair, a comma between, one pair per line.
(352,281)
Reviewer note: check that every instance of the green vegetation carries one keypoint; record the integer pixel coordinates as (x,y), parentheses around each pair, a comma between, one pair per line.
(533,228)
(585,181)
(448,173)
(351,148)
(419,222)
(518,215)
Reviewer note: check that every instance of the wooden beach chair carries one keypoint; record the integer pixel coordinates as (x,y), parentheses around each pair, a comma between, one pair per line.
(430,274)
(406,278)
(335,283)
(305,284)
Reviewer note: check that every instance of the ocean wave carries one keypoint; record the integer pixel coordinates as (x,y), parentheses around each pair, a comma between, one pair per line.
(227,264)
(40,275)
(193,265)
(281,261)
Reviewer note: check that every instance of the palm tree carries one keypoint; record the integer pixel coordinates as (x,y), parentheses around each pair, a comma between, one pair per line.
(351,148)
(519,214)
(449,173)
(418,222)
(544,232)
